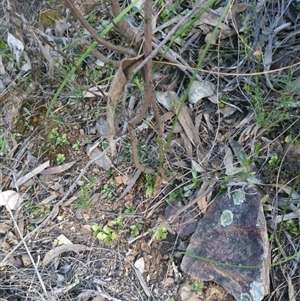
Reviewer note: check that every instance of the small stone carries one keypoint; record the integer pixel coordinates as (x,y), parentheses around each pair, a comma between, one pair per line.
(169,281)
(26,260)
(186,294)
(96,171)
(118,180)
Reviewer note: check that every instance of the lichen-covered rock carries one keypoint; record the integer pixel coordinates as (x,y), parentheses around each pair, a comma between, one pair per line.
(230,245)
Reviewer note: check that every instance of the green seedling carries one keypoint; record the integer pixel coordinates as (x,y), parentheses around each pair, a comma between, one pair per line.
(196,182)
(140,84)
(265,198)
(274,161)
(107,235)
(118,222)
(292,139)
(96,229)
(129,210)
(76,146)
(36,212)
(162,233)
(268,117)
(135,229)
(104,144)
(4,146)
(60,158)
(85,194)
(149,185)
(57,138)
(257,149)
(292,227)
(197,287)
(107,190)
(176,195)
(92,19)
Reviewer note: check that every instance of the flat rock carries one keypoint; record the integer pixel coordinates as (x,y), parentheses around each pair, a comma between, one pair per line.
(230,245)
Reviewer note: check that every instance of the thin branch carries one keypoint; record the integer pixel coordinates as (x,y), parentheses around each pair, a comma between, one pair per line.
(93,32)
(171,34)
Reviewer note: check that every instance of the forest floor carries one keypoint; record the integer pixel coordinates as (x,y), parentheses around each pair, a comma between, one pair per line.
(114,168)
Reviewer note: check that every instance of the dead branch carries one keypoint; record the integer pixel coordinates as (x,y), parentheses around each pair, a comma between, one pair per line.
(93,32)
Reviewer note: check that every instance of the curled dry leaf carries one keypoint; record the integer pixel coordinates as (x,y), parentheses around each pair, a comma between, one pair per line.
(16,46)
(185,120)
(140,265)
(52,254)
(122,76)
(95,91)
(10,199)
(103,160)
(199,90)
(164,99)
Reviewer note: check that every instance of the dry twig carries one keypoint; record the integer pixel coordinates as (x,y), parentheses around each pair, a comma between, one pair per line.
(94,34)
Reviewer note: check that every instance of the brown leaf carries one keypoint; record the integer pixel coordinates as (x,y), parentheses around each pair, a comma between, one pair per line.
(158,185)
(291,290)
(52,254)
(124,74)
(57,169)
(185,120)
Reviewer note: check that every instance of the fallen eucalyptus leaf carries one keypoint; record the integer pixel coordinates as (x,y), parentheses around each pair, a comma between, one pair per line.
(10,199)
(199,90)
(52,254)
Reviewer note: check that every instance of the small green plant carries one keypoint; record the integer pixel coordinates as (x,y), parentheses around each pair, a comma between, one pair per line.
(292,227)
(162,233)
(176,195)
(76,146)
(96,229)
(269,115)
(139,83)
(291,138)
(92,18)
(135,229)
(149,185)
(118,222)
(274,160)
(4,146)
(107,235)
(129,210)
(37,212)
(84,195)
(197,287)
(57,138)
(196,182)
(107,190)
(60,158)
(105,144)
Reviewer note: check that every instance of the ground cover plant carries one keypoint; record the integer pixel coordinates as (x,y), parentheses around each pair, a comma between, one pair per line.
(124,125)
